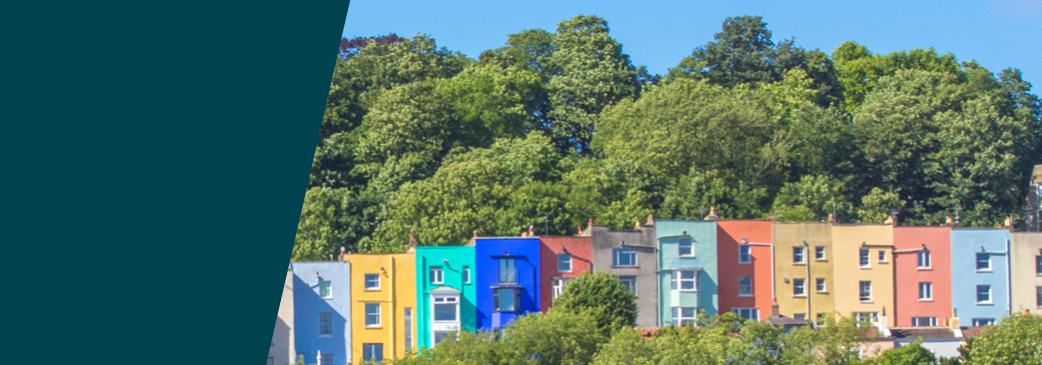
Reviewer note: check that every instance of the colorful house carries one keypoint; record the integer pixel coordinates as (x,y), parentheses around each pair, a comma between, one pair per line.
(863,271)
(383,300)
(922,268)
(563,258)
(506,280)
(687,270)
(803,270)
(629,255)
(282,350)
(322,311)
(445,293)
(1026,271)
(746,286)
(980,275)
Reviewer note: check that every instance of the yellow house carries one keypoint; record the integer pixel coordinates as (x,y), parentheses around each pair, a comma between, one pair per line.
(1026,271)
(864,271)
(383,305)
(803,261)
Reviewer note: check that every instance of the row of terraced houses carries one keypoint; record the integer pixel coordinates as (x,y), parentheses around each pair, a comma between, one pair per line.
(379,306)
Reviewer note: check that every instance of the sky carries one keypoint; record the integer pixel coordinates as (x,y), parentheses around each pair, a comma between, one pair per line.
(659,33)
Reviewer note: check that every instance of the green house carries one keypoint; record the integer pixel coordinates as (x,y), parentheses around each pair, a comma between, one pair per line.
(444,293)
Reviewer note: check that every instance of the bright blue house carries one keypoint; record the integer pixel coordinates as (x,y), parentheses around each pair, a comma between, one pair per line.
(687,270)
(980,275)
(506,280)
(322,311)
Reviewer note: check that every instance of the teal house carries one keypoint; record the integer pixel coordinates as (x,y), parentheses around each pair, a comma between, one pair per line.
(687,270)
(444,293)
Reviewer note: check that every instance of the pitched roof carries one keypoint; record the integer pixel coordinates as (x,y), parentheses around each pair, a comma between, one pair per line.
(786,321)
(972,331)
(923,332)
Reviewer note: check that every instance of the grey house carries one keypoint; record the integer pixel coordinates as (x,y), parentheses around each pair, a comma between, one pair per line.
(629,255)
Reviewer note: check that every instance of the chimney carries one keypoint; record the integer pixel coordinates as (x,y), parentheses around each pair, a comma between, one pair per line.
(530,233)
(637,225)
(475,234)
(889,220)
(954,322)
(590,223)
(712,214)
(948,221)
(651,220)
(774,310)
(1008,223)
(579,229)
(411,247)
(832,218)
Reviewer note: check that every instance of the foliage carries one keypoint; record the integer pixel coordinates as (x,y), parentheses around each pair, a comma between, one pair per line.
(555,337)
(910,354)
(602,296)
(1016,339)
(318,233)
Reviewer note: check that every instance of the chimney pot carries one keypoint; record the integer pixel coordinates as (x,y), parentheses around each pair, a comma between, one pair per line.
(712,214)
(832,217)
(590,223)
(475,234)
(651,220)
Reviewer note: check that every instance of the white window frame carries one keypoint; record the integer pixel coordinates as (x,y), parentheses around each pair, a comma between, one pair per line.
(745,254)
(982,321)
(861,316)
(437,275)
(329,289)
(925,291)
(466,274)
(327,359)
(802,285)
(864,259)
(376,355)
(617,255)
(748,286)
(378,314)
(923,256)
(819,253)
(569,261)
(407,317)
(978,262)
(801,252)
(919,321)
(978,293)
(799,316)
(496,298)
(819,285)
(558,286)
(368,279)
(445,300)
(752,313)
(689,244)
(324,322)
(882,256)
(678,318)
(861,285)
(677,280)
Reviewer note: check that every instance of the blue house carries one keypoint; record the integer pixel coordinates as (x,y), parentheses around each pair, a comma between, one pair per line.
(980,275)
(322,311)
(687,270)
(506,280)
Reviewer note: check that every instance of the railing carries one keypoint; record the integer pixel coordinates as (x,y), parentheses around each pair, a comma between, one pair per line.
(507,276)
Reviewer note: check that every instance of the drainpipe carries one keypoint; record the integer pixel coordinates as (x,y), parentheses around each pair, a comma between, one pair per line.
(1009,294)
(391,304)
(806,281)
(774,295)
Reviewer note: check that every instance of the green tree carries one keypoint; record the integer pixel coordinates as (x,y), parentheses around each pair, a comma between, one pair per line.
(1016,339)
(555,337)
(691,197)
(468,348)
(910,354)
(602,296)
(877,205)
(831,344)
(318,233)
(815,194)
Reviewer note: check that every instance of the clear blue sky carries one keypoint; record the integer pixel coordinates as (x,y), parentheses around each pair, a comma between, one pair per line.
(659,33)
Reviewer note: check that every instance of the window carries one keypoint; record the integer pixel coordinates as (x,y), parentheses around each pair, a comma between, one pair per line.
(983,321)
(820,319)
(327,358)
(744,256)
(865,291)
(324,289)
(925,291)
(466,274)
(685,247)
(797,255)
(747,313)
(505,299)
(372,281)
(559,286)
(630,282)
(819,285)
(799,316)
(1038,265)
(325,323)
(1038,296)
(863,258)
(372,314)
(983,294)
(507,271)
(819,252)
(799,289)
(882,256)
(445,309)
(684,315)
(442,335)
(437,276)
(408,328)
(372,352)
(865,316)
(983,262)
(924,321)
(684,280)
(624,257)
(564,262)
(924,259)
(745,286)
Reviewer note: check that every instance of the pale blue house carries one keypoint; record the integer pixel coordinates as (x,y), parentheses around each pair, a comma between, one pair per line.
(980,275)
(687,277)
(322,311)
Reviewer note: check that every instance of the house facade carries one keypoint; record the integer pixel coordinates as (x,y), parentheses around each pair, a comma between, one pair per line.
(630,255)
(980,281)
(445,296)
(687,278)
(803,270)
(322,303)
(563,258)
(1026,271)
(506,280)
(383,296)
(922,264)
(745,252)
(863,271)
(282,350)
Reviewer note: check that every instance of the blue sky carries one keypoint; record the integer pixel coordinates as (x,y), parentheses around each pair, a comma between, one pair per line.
(659,33)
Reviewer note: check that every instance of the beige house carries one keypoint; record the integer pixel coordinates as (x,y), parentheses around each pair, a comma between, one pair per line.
(282,350)
(1034,201)
(1026,271)
(803,256)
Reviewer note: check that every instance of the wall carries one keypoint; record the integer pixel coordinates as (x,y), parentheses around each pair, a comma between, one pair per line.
(965,277)
(847,240)
(703,236)
(908,274)
(550,247)
(487,252)
(308,304)
(397,292)
(603,241)
(457,257)
(941,347)
(282,350)
(729,235)
(1025,247)
(789,235)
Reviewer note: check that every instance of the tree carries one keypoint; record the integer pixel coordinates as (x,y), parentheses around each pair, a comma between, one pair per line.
(602,296)
(555,337)
(318,233)
(1016,339)
(910,354)
(813,198)
(831,344)
(351,47)
(467,348)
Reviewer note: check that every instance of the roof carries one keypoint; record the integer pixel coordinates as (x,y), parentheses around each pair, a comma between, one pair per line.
(685,263)
(972,331)
(786,321)
(921,332)
(445,289)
